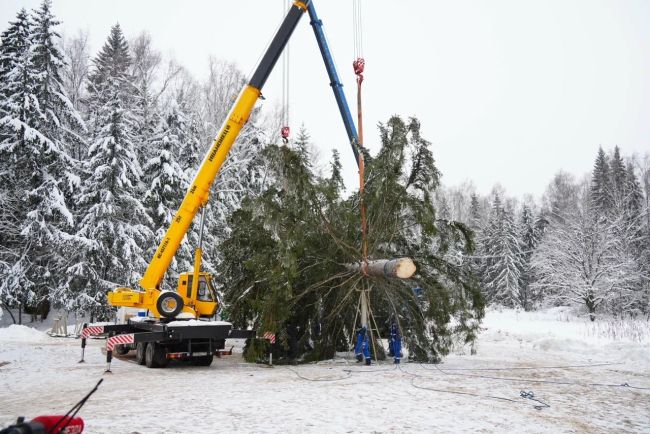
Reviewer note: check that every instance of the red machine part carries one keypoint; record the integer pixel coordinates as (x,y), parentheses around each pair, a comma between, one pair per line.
(285,131)
(359,64)
(73,425)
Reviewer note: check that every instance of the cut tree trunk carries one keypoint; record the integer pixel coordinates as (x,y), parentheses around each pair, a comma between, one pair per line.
(400,268)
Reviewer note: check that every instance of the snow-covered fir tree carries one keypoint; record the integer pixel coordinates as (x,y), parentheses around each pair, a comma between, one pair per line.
(618,175)
(529,236)
(335,180)
(13,50)
(474,213)
(110,74)
(186,121)
(166,182)
(48,59)
(632,196)
(502,257)
(635,219)
(601,184)
(36,120)
(112,214)
(17,98)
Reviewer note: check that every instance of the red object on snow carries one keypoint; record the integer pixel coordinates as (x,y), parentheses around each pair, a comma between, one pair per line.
(74,425)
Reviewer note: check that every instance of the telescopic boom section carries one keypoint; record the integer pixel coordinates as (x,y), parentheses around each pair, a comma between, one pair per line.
(197,195)
(335,83)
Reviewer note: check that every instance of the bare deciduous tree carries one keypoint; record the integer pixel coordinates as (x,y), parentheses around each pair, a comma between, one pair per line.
(74,75)
(584,261)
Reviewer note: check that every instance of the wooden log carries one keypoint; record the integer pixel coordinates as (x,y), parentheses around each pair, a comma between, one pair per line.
(400,268)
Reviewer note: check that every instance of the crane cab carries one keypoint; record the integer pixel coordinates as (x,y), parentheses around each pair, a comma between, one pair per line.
(205,302)
(182,303)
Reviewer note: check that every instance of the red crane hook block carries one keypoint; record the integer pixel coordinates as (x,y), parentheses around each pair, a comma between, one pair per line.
(359,64)
(284,132)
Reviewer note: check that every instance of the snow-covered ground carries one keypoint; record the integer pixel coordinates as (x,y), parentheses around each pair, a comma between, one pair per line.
(574,367)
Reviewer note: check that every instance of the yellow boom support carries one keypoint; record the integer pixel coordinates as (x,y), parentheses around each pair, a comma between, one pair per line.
(197,194)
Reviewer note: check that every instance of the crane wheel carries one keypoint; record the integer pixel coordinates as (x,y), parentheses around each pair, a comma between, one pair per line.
(140,349)
(155,356)
(169,304)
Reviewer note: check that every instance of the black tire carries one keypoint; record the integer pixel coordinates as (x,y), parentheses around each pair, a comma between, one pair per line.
(169,304)
(161,354)
(140,349)
(155,356)
(202,360)
(121,350)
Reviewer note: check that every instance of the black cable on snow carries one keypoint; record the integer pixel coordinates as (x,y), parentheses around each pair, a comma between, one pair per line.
(532,380)
(362,371)
(455,392)
(514,368)
(302,377)
(530,395)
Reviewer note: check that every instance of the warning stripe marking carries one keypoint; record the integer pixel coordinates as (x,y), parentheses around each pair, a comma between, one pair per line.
(119,339)
(92,330)
(270,336)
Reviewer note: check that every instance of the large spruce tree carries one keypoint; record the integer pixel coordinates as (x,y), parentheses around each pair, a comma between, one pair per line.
(284,262)
(112,214)
(529,236)
(36,120)
(503,259)
(601,185)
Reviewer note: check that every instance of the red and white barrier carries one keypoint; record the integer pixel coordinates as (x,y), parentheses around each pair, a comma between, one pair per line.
(118,340)
(92,330)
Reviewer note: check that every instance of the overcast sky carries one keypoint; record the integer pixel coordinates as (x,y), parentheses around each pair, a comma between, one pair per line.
(508,91)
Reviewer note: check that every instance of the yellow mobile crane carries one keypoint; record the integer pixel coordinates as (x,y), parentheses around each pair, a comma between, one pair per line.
(195,295)
(159,337)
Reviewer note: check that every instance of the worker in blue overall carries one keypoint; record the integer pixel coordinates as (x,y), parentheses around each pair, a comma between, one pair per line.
(395,343)
(362,348)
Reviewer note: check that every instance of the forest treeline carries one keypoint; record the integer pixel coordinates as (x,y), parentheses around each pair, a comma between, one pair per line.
(585,243)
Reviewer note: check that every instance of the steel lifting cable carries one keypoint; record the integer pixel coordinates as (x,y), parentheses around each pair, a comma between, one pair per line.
(285,131)
(358,65)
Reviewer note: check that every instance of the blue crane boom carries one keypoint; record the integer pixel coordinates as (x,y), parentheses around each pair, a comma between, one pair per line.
(335,83)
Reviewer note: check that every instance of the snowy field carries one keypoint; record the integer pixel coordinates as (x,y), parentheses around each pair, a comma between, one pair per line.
(586,377)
